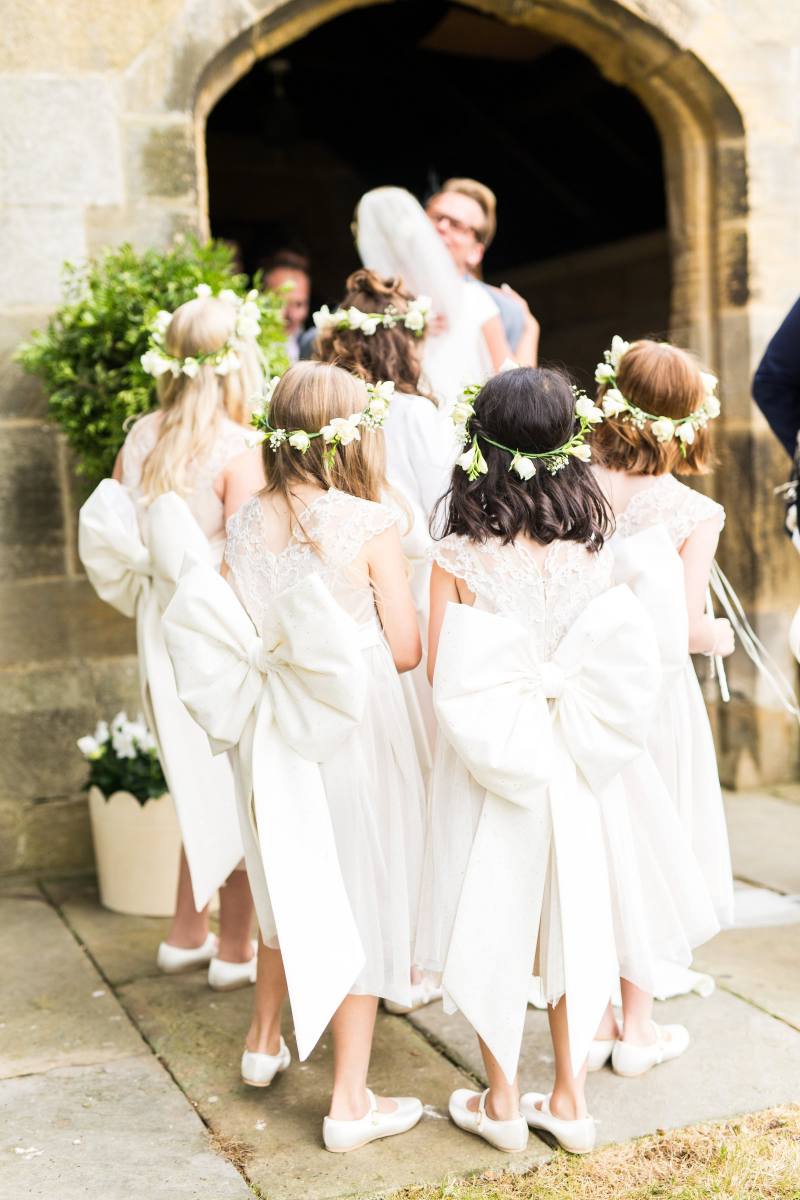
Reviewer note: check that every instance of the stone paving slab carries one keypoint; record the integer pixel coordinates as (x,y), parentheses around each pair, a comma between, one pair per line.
(741,1060)
(762,965)
(115,1131)
(55,1010)
(764,833)
(277,1130)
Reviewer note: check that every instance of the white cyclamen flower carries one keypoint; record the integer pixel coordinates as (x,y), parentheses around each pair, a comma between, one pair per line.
(663,429)
(155,364)
(89,747)
(686,432)
(709,382)
(614,403)
(712,406)
(583,452)
(119,721)
(299,440)
(604,373)
(190,367)
(618,347)
(101,734)
(202,291)
(586,408)
(123,744)
(525,467)
(343,429)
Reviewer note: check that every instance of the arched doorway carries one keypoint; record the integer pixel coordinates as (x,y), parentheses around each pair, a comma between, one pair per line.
(575,160)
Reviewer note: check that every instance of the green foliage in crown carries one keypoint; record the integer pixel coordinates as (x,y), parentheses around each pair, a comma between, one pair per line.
(89,355)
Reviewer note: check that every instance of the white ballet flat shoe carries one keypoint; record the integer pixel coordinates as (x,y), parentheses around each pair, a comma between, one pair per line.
(174,960)
(422,993)
(578,1136)
(228,976)
(600,1052)
(671,1041)
(341,1136)
(259,1070)
(511,1136)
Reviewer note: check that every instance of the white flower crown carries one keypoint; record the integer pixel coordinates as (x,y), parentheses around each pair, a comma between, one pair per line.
(157,361)
(523,462)
(340,431)
(664,429)
(414,318)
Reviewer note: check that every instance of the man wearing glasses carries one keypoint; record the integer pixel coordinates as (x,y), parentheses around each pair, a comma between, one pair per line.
(464,215)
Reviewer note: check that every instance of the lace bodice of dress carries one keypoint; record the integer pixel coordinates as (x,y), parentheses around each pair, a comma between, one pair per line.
(508,580)
(335,527)
(666,501)
(205,505)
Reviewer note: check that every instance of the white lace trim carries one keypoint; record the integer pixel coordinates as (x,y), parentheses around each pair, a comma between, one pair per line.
(672,504)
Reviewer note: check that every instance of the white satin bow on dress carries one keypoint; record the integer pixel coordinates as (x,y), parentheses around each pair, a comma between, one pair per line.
(284,702)
(138,578)
(543,766)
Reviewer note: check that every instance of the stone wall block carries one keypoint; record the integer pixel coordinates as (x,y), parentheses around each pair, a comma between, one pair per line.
(59,141)
(56,837)
(734,273)
(161,159)
(205,29)
(34,244)
(21,394)
(30,503)
(59,620)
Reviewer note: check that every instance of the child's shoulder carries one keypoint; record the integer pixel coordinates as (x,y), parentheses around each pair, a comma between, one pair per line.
(343,523)
(677,506)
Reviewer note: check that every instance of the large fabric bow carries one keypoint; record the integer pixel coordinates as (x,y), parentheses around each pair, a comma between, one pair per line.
(543,767)
(651,567)
(286,700)
(137,577)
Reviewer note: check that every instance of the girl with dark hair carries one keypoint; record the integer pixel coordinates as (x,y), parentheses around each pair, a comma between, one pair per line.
(544,677)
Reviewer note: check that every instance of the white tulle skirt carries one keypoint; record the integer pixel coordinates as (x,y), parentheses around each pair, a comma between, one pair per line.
(376,800)
(682,748)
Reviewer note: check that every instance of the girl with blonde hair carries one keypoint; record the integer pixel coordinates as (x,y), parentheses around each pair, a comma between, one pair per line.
(306,689)
(207,364)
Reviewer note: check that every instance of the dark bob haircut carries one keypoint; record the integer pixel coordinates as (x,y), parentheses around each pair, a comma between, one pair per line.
(530,409)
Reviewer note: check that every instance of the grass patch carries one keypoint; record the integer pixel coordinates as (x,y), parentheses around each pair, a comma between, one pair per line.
(753,1158)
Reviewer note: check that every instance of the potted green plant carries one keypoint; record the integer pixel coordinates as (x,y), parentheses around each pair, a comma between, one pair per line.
(88,357)
(134,828)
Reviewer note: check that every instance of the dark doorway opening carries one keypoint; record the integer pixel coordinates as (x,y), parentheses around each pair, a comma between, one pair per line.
(414,92)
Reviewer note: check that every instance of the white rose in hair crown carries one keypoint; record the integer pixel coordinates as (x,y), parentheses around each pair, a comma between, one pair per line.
(664,429)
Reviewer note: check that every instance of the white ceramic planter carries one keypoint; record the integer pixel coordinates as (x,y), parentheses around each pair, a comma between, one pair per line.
(137,849)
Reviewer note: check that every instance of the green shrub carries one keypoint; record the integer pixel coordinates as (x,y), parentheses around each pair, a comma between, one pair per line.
(88,356)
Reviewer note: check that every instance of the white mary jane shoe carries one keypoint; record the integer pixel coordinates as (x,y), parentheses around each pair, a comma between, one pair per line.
(228,976)
(422,993)
(578,1136)
(259,1070)
(341,1136)
(600,1052)
(174,960)
(671,1041)
(511,1136)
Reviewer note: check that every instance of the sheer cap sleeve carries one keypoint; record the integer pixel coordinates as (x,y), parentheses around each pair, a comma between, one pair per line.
(679,508)
(138,444)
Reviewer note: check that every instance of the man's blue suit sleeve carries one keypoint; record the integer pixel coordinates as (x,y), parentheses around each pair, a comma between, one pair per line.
(776,384)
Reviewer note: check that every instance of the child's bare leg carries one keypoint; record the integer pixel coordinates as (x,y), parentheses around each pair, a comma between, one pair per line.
(502,1102)
(637,1013)
(264,1034)
(568,1099)
(235,919)
(189,928)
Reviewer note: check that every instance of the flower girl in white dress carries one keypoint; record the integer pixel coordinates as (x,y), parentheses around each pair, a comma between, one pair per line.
(544,680)
(206,361)
(378,333)
(301,678)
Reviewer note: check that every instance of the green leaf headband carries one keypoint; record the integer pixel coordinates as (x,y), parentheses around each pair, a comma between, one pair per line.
(523,462)
(340,431)
(414,318)
(664,429)
(156,361)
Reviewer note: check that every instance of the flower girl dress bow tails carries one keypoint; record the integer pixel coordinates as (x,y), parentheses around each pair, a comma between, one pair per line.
(651,567)
(138,578)
(543,766)
(283,702)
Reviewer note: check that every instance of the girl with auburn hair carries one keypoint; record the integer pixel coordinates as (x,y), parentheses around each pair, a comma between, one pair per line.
(544,679)
(330,795)
(207,365)
(420,445)
(658,406)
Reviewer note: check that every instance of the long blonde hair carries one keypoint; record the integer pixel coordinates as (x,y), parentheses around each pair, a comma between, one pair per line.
(308,397)
(192,408)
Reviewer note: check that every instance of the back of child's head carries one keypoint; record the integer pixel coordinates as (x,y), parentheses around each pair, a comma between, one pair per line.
(662,381)
(194,399)
(306,399)
(387,353)
(530,410)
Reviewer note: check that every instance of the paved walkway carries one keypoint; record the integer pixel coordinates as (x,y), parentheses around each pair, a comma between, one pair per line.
(118,1082)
